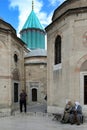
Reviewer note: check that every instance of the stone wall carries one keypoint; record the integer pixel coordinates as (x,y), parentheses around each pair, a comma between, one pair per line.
(64,81)
(11,67)
(36,77)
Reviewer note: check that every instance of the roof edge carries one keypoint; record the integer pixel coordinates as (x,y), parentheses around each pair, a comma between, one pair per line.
(69,11)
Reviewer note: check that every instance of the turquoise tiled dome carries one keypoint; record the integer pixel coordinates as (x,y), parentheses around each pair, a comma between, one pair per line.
(33,33)
(32,22)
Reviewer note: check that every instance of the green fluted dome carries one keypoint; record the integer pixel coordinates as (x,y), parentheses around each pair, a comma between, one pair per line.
(33,33)
(32,22)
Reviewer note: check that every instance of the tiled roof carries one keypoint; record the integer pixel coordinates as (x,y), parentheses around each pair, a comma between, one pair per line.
(32,22)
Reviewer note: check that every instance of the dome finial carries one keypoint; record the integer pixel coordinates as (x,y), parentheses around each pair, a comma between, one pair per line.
(32,5)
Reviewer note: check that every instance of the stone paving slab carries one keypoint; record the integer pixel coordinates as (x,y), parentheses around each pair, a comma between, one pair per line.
(29,122)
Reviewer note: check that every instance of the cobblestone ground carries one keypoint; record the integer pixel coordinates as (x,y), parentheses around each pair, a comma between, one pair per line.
(35,122)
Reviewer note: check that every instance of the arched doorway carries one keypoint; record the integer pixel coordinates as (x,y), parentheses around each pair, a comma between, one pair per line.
(85,89)
(34,94)
(83,79)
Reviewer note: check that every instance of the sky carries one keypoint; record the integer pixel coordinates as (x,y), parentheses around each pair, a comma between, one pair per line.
(15,12)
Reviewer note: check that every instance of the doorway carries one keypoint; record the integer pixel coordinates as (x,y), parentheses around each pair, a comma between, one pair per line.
(85,89)
(34,94)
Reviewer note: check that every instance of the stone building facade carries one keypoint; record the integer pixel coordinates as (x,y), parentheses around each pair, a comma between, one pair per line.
(11,66)
(35,62)
(67,55)
(21,68)
(35,66)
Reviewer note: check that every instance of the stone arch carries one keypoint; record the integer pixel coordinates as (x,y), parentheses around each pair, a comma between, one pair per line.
(81,68)
(80,63)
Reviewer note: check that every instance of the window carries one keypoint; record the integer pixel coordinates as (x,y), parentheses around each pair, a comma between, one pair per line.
(15,58)
(58,50)
(34,91)
(15,92)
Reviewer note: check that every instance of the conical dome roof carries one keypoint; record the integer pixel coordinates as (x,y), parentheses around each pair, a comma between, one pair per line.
(32,32)
(32,22)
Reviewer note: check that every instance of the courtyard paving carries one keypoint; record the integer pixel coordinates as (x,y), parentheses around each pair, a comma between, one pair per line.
(36,122)
(36,118)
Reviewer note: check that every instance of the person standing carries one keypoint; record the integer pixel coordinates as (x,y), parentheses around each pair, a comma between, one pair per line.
(23,96)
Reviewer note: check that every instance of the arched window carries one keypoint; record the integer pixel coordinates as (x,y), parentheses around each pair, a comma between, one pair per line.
(15,58)
(58,50)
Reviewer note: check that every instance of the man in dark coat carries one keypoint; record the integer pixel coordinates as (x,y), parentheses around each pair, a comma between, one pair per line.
(23,96)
